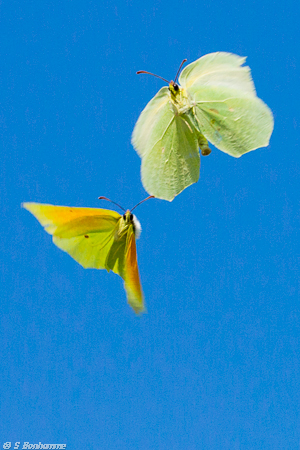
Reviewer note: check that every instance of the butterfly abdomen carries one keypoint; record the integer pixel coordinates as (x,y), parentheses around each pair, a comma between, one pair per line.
(203,144)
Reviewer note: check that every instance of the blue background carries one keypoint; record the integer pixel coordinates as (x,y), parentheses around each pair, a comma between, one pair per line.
(215,362)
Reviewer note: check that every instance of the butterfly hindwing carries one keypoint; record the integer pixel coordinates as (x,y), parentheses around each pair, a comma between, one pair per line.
(131,274)
(235,125)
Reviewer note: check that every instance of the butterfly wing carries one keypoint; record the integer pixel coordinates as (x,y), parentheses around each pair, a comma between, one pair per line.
(218,69)
(90,236)
(168,147)
(122,259)
(228,112)
(235,125)
(172,160)
(86,234)
(149,121)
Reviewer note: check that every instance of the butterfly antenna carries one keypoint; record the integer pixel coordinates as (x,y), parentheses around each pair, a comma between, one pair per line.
(105,198)
(149,73)
(178,71)
(150,196)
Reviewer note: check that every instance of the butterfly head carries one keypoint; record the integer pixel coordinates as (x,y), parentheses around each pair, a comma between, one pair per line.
(130,219)
(127,217)
(173,86)
(174,89)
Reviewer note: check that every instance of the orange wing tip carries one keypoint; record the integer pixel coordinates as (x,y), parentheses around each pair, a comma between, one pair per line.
(135,299)
(138,308)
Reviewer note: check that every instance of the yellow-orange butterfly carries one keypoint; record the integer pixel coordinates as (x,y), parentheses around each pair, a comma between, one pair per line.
(97,238)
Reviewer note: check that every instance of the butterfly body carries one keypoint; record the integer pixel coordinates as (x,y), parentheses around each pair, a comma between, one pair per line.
(185,107)
(214,100)
(96,238)
(179,98)
(128,219)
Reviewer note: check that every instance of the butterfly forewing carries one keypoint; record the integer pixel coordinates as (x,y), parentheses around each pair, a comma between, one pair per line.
(218,69)
(52,217)
(85,234)
(152,122)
